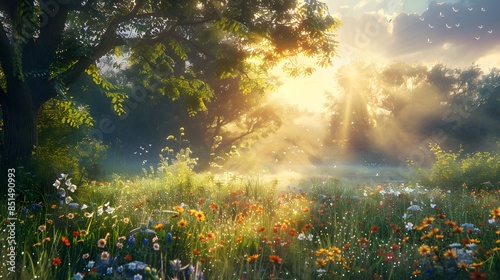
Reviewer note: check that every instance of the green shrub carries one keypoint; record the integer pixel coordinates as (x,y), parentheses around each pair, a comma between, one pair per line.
(452,170)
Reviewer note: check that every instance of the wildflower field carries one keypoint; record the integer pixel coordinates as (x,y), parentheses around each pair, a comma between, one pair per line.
(172,223)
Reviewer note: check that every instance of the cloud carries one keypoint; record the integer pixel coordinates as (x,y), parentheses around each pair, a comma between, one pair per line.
(457,34)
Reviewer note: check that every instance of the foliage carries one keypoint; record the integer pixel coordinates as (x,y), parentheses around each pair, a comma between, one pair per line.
(63,142)
(452,170)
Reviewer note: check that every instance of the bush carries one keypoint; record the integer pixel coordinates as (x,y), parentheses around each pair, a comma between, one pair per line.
(452,170)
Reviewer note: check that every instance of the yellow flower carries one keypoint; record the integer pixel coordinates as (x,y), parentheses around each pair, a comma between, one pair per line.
(495,212)
(477,264)
(424,250)
(321,252)
(179,209)
(450,254)
(182,223)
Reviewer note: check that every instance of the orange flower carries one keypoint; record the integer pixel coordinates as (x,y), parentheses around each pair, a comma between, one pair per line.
(306,227)
(196,252)
(158,226)
(424,250)
(374,229)
(416,272)
(306,209)
(210,235)
(275,259)
(213,206)
(321,262)
(428,220)
(56,261)
(182,223)
(239,239)
(441,216)
(65,241)
(252,258)
(458,229)
(261,229)
(450,223)
(405,239)
(362,240)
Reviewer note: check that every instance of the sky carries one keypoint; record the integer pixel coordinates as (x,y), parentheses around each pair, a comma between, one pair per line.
(457,33)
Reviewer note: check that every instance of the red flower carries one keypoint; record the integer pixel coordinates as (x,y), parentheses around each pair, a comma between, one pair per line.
(128,257)
(56,261)
(374,229)
(76,233)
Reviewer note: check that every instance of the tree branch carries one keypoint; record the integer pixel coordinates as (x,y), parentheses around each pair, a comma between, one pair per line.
(107,43)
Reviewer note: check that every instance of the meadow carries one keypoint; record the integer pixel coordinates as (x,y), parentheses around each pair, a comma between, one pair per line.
(173,223)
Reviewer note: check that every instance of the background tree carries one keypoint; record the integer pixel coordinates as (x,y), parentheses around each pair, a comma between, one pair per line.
(396,109)
(46,46)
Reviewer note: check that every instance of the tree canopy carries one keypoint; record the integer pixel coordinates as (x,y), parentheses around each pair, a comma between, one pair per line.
(45,46)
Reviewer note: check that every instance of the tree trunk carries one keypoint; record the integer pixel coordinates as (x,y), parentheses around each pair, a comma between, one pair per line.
(20,117)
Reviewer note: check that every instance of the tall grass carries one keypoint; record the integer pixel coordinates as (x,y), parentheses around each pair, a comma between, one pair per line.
(173,223)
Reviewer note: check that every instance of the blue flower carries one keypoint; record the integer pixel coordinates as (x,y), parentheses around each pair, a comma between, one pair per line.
(132,266)
(36,208)
(428,272)
(145,241)
(109,270)
(169,238)
(119,269)
(73,205)
(131,240)
(189,270)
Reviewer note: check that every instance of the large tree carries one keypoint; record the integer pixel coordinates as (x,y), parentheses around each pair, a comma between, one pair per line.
(45,46)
